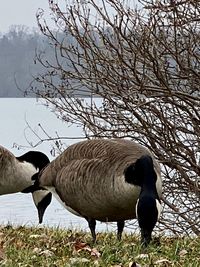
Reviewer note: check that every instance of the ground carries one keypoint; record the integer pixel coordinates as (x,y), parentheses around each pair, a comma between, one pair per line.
(47,247)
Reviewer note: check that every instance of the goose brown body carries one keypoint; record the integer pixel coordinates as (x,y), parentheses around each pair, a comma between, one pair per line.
(11,168)
(16,174)
(89,178)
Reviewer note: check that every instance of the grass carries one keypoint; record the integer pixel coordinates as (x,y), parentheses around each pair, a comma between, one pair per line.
(47,247)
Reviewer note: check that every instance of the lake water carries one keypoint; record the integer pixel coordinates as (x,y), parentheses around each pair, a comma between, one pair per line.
(18,209)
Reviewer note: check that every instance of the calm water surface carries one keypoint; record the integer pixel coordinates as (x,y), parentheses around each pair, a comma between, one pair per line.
(18,209)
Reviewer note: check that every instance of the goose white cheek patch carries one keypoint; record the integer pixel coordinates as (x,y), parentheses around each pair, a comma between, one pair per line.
(159,207)
(38,196)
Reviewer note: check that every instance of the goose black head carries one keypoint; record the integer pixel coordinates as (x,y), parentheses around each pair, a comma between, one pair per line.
(140,170)
(41,196)
(38,159)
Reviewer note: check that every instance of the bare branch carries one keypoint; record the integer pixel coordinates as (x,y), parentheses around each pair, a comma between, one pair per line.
(133,74)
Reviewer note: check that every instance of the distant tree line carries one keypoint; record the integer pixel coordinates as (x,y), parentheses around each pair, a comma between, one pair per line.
(18,48)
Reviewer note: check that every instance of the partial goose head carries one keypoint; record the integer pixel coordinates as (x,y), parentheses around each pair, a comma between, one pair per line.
(16,173)
(103,179)
(36,158)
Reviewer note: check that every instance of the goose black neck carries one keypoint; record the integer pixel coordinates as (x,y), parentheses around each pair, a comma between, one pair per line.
(146,208)
(147,175)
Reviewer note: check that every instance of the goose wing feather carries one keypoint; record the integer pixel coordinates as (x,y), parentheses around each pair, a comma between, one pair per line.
(5,156)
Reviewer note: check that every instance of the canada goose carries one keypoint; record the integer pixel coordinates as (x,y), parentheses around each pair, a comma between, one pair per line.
(107,180)
(16,173)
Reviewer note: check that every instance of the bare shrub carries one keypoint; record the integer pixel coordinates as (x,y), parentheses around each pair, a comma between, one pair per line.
(133,73)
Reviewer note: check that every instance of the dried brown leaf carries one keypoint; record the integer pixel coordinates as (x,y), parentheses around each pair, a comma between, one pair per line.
(134,264)
(78,260)
(80,246)
(2,254)
(163,262)
(95,253)
(183,252)
(34,236)
(37,250)
(142,256)
(46,252)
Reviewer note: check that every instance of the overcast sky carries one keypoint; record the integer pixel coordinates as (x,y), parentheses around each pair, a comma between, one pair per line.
(20,12)
(23,12)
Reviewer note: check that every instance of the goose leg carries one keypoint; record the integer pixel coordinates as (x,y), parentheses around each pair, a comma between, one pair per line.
(120,227)
(145,237)
(92,226)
